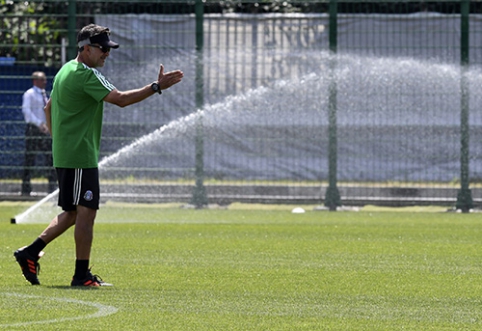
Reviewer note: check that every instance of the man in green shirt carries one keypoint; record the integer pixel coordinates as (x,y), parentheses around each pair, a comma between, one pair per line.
(74,117)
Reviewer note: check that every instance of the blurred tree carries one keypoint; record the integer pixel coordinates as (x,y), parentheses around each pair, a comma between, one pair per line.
(29,33)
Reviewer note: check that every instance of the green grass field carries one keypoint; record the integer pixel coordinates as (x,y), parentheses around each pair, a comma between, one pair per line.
(253,269)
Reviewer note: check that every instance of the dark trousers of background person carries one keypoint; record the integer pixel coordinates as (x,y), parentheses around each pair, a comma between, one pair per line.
(37,142)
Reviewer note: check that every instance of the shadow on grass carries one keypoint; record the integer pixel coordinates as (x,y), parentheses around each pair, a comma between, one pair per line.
(74,288)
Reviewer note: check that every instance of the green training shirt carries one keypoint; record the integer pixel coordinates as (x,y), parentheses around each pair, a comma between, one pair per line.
(76,113)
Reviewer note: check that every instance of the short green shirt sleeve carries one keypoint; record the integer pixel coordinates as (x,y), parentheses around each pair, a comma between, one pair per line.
(97,86)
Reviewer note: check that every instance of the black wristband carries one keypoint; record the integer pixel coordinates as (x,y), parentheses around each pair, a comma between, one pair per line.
(156,88)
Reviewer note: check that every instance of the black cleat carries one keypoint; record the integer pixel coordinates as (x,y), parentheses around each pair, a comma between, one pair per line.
(29,265)
(89,280)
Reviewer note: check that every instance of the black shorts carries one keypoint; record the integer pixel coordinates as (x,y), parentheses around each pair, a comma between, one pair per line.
(78,187)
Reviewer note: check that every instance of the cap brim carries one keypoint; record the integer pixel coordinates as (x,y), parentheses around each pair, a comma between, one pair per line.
(111,44)
(103,39)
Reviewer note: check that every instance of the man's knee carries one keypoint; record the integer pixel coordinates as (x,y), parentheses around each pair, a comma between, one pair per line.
(70,216)
(85,214)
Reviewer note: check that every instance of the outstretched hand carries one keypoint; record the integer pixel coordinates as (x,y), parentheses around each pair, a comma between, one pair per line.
(166,80)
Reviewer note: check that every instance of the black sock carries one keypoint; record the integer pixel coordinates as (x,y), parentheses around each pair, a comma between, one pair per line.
(35,248)
(81,268)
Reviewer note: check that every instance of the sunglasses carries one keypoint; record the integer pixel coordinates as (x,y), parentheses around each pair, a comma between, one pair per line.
(102,48)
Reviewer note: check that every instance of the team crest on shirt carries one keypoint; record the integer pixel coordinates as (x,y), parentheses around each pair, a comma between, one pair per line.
(88,196)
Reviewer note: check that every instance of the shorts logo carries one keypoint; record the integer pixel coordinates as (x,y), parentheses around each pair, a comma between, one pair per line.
(88,196)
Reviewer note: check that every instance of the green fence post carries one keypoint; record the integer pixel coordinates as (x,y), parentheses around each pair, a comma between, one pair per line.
(464,195)
(332,195)
(199,197)
(71,27)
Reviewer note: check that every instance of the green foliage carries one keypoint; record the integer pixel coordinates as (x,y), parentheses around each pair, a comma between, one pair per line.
(28,33)
(262,6)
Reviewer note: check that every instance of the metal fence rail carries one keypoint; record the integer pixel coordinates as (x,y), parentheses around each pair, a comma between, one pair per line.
(334,101)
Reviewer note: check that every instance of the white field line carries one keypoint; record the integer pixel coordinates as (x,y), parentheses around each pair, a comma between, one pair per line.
(102,310)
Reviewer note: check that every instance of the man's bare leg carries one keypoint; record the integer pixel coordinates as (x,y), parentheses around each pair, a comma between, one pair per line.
(27,257)
(84,232)
(58,225)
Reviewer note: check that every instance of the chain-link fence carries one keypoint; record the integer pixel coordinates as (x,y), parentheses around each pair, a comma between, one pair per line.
(281,101)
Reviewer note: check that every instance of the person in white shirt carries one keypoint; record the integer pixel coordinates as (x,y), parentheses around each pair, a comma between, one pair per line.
(37,137)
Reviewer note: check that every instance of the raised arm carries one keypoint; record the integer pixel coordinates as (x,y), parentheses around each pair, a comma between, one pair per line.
(126,98)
